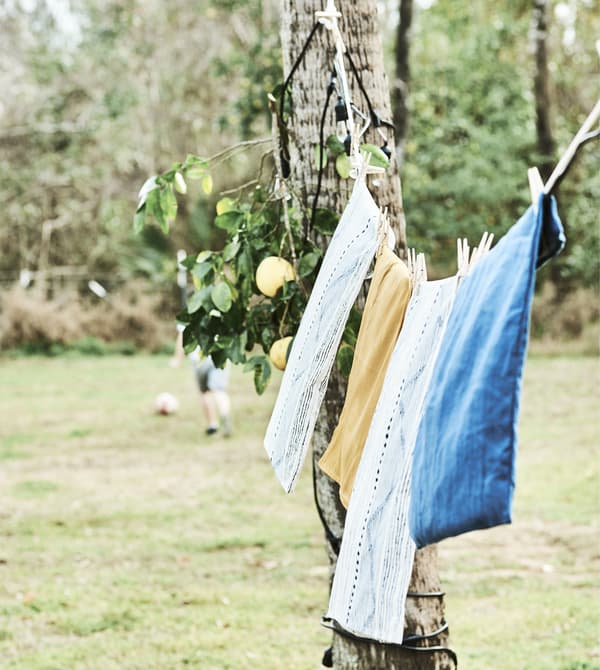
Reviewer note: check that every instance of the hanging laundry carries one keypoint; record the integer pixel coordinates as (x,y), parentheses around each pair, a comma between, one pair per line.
(314,347)
(382,320)
(375,562)
(464,461)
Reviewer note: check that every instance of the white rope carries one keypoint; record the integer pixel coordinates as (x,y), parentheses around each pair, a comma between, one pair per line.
(329,18)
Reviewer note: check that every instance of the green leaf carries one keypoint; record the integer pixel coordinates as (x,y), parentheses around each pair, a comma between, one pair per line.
(198,299)
(262,373)
(245,271)
(168,203)
(207,184)
(308,263)
(201,270)
(219,357)
(230,221)
(343,166)
(189,340)
(225,205)
(231,250)
(223,342)
(189,262)
(325,221)
(344,358)
(203,256)
(195,172)
(154,207)
(180,184)
(195,167)
(236,351)
(335,145)
(148,186)
(252,362)
(378,158)
(267,338)
(139,220)
(221,297)
(320,157)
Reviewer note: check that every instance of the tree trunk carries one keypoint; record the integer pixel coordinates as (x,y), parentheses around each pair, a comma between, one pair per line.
(402,77)
(541,84)
(359,26)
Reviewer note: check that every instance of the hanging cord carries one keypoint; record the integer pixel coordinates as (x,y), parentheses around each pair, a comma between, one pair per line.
(338,71)
(284,152)
(376,120)
(281,190)
(331,87)
(425,594)
(334,541)
(296,65)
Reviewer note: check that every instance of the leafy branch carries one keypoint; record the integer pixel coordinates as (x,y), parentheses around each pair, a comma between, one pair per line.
(228,315)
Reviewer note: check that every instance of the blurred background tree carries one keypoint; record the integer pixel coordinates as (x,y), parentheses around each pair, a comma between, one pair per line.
(472,130)
(103,94)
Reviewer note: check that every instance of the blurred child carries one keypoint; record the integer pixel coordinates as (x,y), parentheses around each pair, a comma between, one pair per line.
(212,383)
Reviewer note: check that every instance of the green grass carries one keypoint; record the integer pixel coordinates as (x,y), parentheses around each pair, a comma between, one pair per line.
(132,541)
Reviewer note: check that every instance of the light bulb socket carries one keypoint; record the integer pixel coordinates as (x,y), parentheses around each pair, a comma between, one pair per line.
(348,144)
(341,113)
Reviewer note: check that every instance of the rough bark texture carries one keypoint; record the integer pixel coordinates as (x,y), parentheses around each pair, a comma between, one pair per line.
(359,25)
(400,92)
(545,140)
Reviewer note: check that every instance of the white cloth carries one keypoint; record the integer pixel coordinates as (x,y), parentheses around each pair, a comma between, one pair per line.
(314,347)
(376,557)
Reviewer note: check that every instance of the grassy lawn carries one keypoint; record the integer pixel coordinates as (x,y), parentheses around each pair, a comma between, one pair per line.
(132,541)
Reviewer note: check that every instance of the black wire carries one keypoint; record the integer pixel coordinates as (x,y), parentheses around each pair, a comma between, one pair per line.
(333,625)
(313,212)
(416,637)
(376,120)
(426,594)
(296,65)
(334,541)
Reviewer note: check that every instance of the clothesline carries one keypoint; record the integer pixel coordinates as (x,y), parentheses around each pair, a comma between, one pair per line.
(425,447)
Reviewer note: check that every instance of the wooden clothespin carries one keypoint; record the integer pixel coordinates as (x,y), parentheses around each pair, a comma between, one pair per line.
(382,231)
(536,186)
(462,256)
(417,268)
(361,166)
(411,262)
(481,249)
(467,259)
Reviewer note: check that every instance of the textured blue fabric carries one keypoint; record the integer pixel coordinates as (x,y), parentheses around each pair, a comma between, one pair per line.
(464,461)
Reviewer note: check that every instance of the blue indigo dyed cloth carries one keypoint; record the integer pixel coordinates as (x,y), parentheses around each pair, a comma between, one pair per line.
(463,474)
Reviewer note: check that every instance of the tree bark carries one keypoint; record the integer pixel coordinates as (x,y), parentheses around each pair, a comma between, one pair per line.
(400,92)
(359,26)
(541,84)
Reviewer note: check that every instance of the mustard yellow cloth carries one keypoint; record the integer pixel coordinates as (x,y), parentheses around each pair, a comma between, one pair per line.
(382,320)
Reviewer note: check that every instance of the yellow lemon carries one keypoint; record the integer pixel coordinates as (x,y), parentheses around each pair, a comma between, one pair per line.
(271,274)
(279,350)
